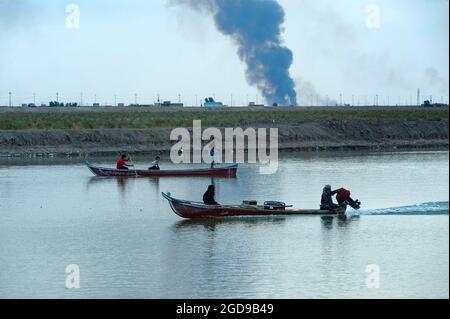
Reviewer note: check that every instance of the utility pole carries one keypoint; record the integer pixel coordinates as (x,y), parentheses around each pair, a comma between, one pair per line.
(57,97)
(418,97)
(135,99)
(81,99)
(10,99)
(340,96)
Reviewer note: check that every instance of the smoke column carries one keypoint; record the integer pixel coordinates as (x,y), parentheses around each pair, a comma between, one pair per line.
(256,27)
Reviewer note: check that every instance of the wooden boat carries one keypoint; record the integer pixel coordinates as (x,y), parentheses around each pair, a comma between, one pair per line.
(187,209)
(228,171)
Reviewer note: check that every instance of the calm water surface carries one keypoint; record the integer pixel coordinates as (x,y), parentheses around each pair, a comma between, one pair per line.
(128,243)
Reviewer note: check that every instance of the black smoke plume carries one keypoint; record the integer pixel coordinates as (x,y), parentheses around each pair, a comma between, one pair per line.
(256,28)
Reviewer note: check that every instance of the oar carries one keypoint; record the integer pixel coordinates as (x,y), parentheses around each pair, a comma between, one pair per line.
(135,170)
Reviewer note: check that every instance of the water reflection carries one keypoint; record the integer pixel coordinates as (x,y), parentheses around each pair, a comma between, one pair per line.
(133,245)
(343,221)
(121,182)
(210,224)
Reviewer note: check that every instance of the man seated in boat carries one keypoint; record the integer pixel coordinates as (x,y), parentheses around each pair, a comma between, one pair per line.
(122,163)
(342,196)
(327,199)
(154,166)
(209,197)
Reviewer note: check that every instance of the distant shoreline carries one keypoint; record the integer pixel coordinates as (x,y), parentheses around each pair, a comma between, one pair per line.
(111,131)
(307,137)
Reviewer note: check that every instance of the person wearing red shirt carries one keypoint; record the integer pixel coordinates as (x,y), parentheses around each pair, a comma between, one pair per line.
(122,162)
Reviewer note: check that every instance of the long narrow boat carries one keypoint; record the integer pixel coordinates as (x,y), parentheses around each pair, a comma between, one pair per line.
(189,210)
(228,171)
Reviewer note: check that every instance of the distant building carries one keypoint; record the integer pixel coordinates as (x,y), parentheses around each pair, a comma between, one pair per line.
(428,103)
(209,102)
(253,104)
(168,104)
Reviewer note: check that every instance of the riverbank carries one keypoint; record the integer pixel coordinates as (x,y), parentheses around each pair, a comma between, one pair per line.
(329,135)
(149,118)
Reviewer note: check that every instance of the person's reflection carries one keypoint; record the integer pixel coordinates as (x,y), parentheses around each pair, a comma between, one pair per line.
(327,221)
(155,181)
(209,225)
(342,221)
(121,183)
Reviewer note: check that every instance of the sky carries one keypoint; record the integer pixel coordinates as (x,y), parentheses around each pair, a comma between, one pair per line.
(119,51)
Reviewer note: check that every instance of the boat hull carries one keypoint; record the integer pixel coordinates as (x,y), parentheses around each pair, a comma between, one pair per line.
(191,210)
(226,171)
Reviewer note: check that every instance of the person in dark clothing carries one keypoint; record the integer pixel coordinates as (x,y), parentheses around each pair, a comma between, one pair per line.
(209,197)
(327,199)
(154,166)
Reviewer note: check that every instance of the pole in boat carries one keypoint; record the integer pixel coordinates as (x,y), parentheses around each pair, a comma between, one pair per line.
(135,170)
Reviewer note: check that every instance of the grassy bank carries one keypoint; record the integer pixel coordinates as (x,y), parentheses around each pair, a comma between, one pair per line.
(157,118)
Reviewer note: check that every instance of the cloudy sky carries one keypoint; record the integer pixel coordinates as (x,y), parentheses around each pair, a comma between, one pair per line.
(351,47)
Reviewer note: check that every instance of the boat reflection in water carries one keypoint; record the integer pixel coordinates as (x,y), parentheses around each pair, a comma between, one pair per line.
(121,182)
(328,222)
(211,224)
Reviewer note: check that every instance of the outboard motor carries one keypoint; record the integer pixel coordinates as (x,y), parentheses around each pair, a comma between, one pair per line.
(343,198)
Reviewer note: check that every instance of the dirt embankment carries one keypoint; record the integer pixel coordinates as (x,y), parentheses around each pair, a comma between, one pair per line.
(309,136)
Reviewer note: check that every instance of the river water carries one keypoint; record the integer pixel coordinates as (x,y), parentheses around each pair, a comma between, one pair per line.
(126,242)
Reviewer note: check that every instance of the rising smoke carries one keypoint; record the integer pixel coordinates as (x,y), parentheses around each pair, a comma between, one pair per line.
(256,28)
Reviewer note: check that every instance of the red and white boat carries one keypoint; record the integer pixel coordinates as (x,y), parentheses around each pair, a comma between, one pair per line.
(187,209)
(228,171)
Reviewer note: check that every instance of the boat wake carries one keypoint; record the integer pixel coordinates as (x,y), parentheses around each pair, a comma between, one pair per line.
(433,208)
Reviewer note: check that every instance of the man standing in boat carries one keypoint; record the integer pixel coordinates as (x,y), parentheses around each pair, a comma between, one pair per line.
(215,153)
